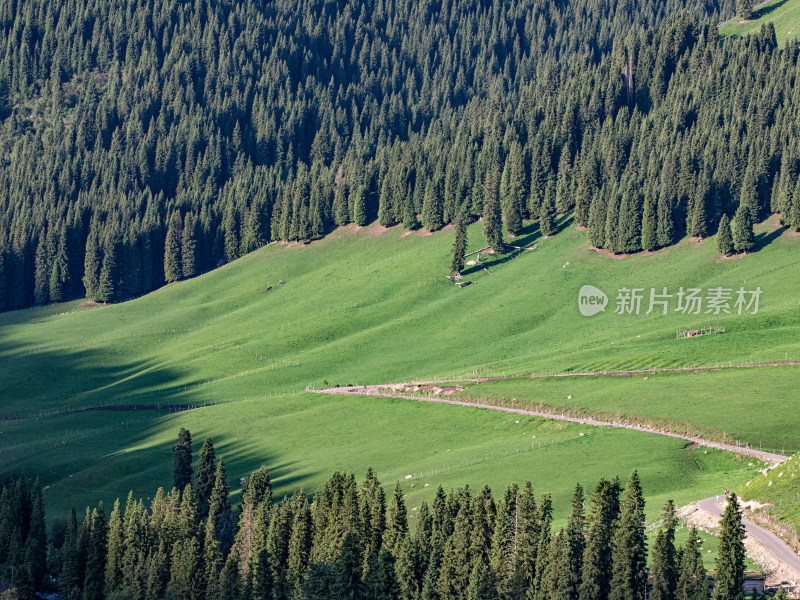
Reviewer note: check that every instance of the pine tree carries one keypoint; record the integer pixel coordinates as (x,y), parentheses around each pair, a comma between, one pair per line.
(547,216)
(482,583)
(742,229)
(107,282)
(347,570)
(570,579)
(36,553)
(649,224)
(381,581)
(664,568)
(220,509)
(114,554)
(729,573)
(68,580)
(91,265)
(172,251)
(406,568)
(511,192)
(432,217)
(188,248)
(42,272)
(182,452)
(692,581)
(492,219)
(96,556)
(459,245)
(396,521)
(59,274)
(744,9)
(602,518)
(724,236)
(204,476)
(629,577)
(360,206)
(665,230)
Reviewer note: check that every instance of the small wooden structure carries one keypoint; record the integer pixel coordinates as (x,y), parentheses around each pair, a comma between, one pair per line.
(684,333)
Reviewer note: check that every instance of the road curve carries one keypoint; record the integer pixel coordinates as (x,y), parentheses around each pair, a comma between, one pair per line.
(765,537)
(361,391)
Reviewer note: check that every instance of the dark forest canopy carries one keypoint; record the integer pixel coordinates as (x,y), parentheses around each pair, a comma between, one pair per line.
(145,141)
(349,541)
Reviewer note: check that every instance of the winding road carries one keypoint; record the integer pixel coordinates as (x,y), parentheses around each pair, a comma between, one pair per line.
(779,549)
(739,449)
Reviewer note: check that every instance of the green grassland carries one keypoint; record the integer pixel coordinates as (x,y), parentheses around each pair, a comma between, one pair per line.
(783,14)
(779,487)
(372,306)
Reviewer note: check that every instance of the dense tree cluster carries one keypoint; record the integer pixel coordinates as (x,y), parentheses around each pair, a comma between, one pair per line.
(146,141)
(350,542)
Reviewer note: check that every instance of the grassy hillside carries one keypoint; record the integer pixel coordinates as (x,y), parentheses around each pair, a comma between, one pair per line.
(783,14)
(779,487)
(372,306)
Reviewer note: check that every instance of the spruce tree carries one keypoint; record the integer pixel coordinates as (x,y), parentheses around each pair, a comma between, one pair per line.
(724,236)
(482,584)
(432,218)
(665,229)
(188,253)
(204,476)
(347,570)
(649,224)
(36,554)
(96,556)
(459,245)
(629,577)
(360,206)
(692,580)
(182,453)
(742,229)
(547,216)
(744,9)
(68,580)
(570,579)
(220,509)
(114,554)
(396,520)
(664,567)
(172,251)
(729,573)
(597,559)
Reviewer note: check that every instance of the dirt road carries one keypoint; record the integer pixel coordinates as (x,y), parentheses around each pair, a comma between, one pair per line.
(366,391)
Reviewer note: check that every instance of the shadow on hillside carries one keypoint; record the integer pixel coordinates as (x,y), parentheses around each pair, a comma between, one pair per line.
(41,381)
(123,441)
(765,239)
(764,11)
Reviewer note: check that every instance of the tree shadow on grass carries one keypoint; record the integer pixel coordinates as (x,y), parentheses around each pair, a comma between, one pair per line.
(763,240)
(765,10)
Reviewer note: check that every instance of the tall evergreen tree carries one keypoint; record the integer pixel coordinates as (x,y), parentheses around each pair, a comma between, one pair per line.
(742,229)
(729,573)
(664,569)
(629,577)
(459,245)
(204,476)
(182,453)
(724,236)
(692,580)
(96,556)
(172,251)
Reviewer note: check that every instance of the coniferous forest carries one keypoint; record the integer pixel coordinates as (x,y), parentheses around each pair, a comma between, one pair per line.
(349,541)
(146,141)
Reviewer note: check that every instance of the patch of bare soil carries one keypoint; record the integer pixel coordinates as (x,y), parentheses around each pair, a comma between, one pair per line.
(695,240)
(417,388)
(608,253)
(580,228)
(732,256)
(91,304)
